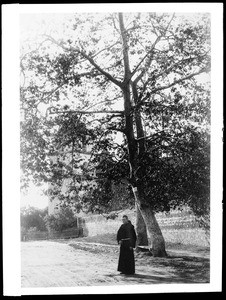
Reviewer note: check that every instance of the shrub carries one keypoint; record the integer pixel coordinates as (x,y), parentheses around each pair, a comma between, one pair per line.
(32,217)
(64,219)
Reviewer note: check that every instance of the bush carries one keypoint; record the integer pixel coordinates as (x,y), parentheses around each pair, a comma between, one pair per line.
(32,230)
(31,218)
(64,219)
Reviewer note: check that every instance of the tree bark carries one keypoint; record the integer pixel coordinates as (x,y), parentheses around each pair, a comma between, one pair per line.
(157,246)
(141,230)
(157,242)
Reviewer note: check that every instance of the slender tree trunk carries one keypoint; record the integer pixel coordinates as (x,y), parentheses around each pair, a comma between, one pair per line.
(142,237)
(136,150)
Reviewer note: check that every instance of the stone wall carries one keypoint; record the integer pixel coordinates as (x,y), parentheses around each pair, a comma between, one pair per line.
(177,227)
(99,224)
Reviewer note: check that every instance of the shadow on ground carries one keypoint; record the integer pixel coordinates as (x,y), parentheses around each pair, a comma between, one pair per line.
(173,269)
(178,269)
(140,278)
(181,266)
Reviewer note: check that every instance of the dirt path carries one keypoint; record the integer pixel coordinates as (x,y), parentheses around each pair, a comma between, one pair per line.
(58,264)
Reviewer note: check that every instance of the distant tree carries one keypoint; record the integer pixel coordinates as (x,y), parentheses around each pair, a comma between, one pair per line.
(32,217)
(64,219)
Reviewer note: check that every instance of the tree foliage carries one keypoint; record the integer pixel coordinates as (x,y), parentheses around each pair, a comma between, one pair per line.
(64,219)
(78,79)
(32,217)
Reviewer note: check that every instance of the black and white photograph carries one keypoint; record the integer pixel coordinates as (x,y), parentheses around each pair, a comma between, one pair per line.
(117,186)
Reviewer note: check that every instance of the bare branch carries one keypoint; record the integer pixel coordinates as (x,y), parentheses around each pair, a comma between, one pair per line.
(182,61)
(101,121)
(153,27)
(165,30)
(149,52)
(51,93)
(89,58)
(127,72)
(83,112)
(69,151)
(33,51)
(178,81)
(146,55)
(147,65)
(114,128)
(113,21)
(106,74)
(104,49)
(176,64)
(104,101)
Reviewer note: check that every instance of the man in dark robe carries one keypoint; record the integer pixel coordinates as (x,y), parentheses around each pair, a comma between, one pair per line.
(126,238)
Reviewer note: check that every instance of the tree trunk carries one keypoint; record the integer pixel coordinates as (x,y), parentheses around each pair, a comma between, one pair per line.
(157,245)
(136,149)
(142,238)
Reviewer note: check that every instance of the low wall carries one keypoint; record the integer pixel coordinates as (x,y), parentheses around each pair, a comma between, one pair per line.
(69,233)
(98,224)
(177,227)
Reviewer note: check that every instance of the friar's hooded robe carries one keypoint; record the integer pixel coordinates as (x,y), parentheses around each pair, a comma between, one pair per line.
(127,235)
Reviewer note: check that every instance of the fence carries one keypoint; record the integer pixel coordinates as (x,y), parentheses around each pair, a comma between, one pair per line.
(177,226)
(98,224)
(65,234)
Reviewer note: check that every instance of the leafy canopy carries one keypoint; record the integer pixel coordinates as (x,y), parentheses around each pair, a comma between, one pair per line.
(72,96)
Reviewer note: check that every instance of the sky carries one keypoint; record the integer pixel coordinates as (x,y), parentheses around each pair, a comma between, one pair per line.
(34,197)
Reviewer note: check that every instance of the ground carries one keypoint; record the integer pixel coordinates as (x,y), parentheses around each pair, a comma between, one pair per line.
(76,262)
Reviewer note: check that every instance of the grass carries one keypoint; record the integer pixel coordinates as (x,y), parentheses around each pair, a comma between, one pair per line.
(110,239)
(178,228)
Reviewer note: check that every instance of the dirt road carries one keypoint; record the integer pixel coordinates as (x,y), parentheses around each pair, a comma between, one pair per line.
(58,264)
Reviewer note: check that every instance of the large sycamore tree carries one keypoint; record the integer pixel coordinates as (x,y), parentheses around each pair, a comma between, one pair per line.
(140,74)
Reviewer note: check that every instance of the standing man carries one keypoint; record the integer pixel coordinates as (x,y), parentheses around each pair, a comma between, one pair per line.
(126,238)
